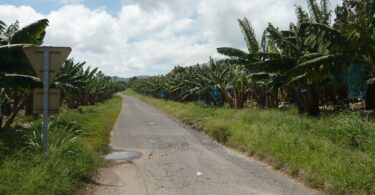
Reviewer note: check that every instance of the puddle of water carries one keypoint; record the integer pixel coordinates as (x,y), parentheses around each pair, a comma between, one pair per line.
(123,155)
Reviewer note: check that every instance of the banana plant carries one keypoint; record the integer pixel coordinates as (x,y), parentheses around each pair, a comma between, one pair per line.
(351,40)
(17,77)
(82,85)
(71,81)
(287,55)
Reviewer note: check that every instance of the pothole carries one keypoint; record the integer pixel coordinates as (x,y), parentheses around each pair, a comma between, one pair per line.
(123,155)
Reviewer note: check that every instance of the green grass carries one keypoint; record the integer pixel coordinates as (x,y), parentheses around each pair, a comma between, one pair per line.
(74,151)
(334,153)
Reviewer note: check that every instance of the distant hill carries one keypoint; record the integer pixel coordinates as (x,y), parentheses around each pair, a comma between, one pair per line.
(116,78)
(142,77)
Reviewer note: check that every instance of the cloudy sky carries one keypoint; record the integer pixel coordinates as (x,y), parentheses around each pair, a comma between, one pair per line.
(147,37)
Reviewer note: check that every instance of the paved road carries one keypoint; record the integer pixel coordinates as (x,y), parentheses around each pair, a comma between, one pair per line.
(178,160)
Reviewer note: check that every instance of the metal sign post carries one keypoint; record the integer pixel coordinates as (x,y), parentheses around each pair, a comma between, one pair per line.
(46,62)
(45,99)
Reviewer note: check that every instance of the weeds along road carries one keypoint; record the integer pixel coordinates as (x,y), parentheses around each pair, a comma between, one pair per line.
(179,160)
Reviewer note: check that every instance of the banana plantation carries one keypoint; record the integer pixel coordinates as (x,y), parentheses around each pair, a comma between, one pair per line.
(324,60)
(79,84)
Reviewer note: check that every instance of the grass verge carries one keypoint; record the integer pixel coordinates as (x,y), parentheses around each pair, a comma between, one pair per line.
(74,149)
(333,153)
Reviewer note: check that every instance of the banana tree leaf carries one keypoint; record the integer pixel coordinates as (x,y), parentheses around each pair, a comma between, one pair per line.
(232,52)
(280,40)
(5,49)
(298,80)
(3,40)
(273,65)
(371,81)
(322,34)
(260,75)
(20,81)
(249,35)
(325,65)
(32,33)
(13,59)
(2,26)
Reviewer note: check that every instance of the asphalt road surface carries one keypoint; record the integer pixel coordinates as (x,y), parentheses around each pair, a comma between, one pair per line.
(179,160)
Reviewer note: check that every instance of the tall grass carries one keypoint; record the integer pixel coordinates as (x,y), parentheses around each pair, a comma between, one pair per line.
(334,153)
(74,150)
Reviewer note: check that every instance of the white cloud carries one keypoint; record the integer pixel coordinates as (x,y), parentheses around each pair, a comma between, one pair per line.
(24,14)
(150,37)
(69,2)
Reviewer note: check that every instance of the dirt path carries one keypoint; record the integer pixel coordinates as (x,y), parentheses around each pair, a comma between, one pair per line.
(179,160)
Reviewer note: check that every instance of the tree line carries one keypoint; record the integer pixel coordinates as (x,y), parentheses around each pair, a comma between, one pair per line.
(79,84)
(318,61)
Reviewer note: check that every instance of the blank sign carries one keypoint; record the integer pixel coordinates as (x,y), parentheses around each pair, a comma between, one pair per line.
(53,101)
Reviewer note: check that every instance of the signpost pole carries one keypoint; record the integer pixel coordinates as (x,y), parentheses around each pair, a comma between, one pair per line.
(46,62)
(45,100)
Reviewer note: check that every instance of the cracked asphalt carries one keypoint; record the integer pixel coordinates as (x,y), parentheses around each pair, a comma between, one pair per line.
(179,160)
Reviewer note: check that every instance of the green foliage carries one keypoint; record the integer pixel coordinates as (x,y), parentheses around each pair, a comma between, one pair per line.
(249,35)
(30,34)
(74,151)
(194,82)
(353,131)
(220,134)
(82,85)
(61,137)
